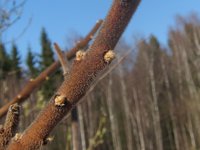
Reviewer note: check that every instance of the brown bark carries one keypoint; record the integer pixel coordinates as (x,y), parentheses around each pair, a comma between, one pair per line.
(80,77)
(32,84)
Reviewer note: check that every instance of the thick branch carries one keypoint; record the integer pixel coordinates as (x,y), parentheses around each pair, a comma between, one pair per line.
(80,77)
(32,84)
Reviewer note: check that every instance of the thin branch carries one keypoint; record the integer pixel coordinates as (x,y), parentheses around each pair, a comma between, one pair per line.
(80,77)
(32,84)
(14,14)
(17,37)
(63,60)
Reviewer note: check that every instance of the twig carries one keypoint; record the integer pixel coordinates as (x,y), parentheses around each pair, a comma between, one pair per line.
(17,37)
(13,15)
(63,60)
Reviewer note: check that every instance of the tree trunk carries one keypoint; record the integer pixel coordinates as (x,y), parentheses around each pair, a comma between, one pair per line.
(137,113)
(113,122)
(82,132)
(171,106)
(126,105)
(76,139)
(156,115)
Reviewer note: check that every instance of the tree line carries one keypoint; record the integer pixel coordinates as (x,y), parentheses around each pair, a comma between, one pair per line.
(11,65)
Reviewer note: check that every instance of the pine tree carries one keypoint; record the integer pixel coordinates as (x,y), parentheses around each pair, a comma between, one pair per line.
(47,52)
(15,61)
(30,62)
(5,62)
(46,60)
(154,42)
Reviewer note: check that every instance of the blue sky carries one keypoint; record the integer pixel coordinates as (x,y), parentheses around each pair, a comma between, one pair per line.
(63,18)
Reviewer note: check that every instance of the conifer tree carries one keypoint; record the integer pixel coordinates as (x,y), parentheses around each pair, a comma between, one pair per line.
(15,60)
(47,52)
(5,62)
(46,60)
(30,62)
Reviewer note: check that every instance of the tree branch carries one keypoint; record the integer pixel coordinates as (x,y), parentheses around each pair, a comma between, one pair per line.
(63,60)
(32,84)
(80,77)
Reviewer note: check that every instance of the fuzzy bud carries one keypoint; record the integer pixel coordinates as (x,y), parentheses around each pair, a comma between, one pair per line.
(31,80)
(48,140)
(47,78)
(60,100)
(19,96)
(109,56)
(80,55)
(17,136)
